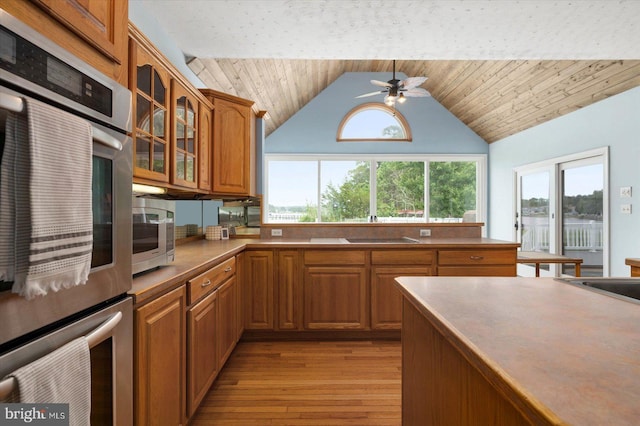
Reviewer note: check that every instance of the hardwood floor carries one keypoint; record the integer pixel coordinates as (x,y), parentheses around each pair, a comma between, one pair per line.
(307,383)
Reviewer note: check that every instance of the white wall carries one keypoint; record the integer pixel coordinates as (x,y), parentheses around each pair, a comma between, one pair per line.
(613,123)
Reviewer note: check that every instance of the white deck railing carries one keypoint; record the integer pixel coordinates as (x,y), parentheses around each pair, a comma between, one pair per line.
(580,236)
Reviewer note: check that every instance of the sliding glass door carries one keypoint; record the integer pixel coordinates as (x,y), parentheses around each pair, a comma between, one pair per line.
(561,208)
(582,226)
(535,218)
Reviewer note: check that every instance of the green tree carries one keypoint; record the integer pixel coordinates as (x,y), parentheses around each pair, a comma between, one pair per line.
(351,200)
(400,190)
(310,214)
(452,188)
(400,187)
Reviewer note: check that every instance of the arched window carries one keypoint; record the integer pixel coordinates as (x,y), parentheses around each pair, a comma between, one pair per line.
(373,122)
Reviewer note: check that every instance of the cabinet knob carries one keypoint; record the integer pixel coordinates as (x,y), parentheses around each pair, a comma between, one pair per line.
(228,269)
(206,283)
(476,257)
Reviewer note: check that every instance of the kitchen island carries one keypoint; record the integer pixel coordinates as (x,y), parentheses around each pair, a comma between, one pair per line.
(505,351)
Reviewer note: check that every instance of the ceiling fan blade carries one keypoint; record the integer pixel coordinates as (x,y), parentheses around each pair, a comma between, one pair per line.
(380,83)
(416,92)
(412,82)
(371,94)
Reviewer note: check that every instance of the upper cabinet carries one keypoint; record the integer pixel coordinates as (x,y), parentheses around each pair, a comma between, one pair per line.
(93,30)
(184,146)
(98,22)
(172,128)
(205,140)
(233,160)
(151,107)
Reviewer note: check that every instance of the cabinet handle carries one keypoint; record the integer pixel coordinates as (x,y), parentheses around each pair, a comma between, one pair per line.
(228,269)
(207,283)
(476,257)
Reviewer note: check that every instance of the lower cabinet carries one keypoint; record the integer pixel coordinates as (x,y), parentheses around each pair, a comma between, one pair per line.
(289,290)
(323,289)
(335,295)
(202,325)
(386,299)
(182,340)
(258,289)
(160,360)
(477,262)
(227,331)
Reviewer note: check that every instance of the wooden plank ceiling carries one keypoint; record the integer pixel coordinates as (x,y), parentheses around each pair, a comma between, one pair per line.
(495,99)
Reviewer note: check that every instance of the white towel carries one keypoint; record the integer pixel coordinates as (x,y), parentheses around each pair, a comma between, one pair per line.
(61,377)
(15,131)
(51,199)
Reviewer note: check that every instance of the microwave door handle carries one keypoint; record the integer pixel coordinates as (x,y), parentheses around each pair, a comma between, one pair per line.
(15,104)
(93,338)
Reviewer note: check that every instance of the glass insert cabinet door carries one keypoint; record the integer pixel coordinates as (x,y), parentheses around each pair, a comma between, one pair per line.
(185,144)
(151,138)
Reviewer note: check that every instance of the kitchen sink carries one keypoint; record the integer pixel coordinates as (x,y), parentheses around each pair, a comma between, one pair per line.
(328,241)
(402,240)
(622,288)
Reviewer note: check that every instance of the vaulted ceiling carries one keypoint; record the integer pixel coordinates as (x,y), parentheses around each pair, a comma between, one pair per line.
(499,66)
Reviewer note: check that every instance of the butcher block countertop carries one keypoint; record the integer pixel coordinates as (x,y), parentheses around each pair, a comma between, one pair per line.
(564,353)
(198,256)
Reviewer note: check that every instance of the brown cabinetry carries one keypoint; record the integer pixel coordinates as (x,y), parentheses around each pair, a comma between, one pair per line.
(335,295)
(160,360)
(151,100)
(258,290)
(233,161)
(386,299)
(183,339)
(93,30)
(184,140)
(101,23)
(205,140)
(314,290)
(211,332)
(477,262)
(289,287)
(227,316)
(172,127)
(202,324)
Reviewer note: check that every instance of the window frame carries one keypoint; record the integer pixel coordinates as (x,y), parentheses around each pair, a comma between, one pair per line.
(481,178)
(375,106)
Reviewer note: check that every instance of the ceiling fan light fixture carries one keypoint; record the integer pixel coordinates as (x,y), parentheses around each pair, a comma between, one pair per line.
(390,100)
(398,90)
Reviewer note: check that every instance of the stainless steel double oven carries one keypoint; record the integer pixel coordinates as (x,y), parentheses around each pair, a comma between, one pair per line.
(34,67)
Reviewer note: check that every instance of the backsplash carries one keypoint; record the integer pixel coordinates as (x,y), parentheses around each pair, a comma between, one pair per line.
(306,231)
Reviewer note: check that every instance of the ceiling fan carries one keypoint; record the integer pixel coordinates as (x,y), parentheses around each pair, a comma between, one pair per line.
(398,90)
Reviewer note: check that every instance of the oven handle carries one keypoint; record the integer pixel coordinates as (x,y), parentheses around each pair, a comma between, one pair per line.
(93,338)
(15,104)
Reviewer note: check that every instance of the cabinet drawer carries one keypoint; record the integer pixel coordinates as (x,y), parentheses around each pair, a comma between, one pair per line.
(334,257)
(477,257)
(207,281)
(477,271)
(401,257)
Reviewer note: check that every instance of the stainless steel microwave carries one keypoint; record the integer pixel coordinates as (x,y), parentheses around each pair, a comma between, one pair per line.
(153,233)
